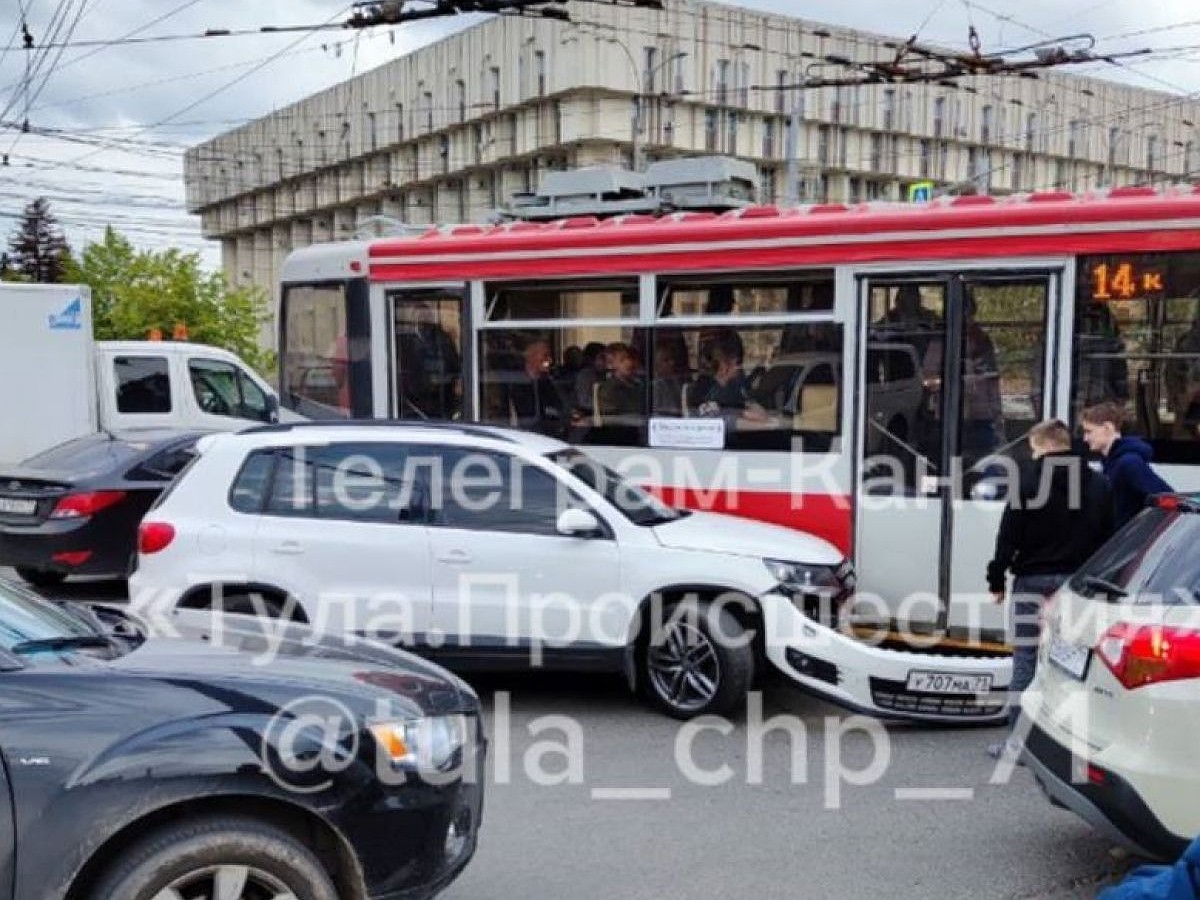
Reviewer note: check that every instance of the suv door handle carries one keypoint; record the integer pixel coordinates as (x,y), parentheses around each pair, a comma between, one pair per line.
(288,548)
(455,557)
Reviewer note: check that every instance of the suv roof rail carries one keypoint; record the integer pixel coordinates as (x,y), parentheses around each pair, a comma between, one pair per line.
(488,431)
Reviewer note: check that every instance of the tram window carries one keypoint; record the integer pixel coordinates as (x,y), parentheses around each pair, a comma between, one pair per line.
(1137,341)
(769,384)
(315,352)
(566,301)
(746,296)
(601,385)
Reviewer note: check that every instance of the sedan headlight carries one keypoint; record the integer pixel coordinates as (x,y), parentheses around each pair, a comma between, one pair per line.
(804,577)
(430,744)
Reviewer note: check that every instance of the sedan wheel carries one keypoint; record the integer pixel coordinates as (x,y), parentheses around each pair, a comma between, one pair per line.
(226,883)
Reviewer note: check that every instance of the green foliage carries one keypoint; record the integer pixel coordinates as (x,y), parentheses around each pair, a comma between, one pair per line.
(135,292)
(37,249)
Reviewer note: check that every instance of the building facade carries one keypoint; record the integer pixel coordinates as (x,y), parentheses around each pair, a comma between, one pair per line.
(449,132)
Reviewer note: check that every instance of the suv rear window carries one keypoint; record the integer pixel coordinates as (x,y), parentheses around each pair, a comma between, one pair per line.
(1153,559)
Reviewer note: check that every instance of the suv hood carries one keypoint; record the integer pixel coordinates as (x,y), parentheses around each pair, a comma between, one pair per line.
(714,532)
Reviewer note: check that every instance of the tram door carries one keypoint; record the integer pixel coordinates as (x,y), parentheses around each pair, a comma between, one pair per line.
(953,370)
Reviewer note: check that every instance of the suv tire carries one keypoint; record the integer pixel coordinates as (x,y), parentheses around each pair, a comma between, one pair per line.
(246,857)
(699,661)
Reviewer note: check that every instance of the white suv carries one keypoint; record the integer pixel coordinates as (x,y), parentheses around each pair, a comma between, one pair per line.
(1114,711)
(488,547)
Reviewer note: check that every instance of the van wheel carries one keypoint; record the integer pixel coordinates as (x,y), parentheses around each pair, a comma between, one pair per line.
(219,856)
(41,578)
(698,662)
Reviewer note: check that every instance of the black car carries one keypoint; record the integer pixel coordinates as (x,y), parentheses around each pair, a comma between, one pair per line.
(75,509)
(134,768)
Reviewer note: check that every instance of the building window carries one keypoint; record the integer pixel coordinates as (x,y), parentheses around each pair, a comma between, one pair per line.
(1031,129)
(731,145)
(372,134)
(781,83)
(1060,173)
(926,159)
(986,124)
(1018,172)
(836,111)
(460,88)
(1114,139)
(494,79)
(649,69)
(744,86)
(1189,159)
(889,109)
(1074,141)
(677,65)
(710,130)
(1152,160)
(428,99)
(769,128)
(876,152)
(823,145)
(399,122)
(939,117)
(723,82)
(539,68)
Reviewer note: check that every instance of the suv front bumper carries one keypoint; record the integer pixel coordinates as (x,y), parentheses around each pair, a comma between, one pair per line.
(880,680)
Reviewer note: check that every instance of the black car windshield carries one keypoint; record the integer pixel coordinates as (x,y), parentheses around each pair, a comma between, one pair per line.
(26,618)
(635,503)
(86,456)
(1152,560)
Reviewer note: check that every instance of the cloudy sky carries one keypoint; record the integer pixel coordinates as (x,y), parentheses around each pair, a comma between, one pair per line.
(119,116)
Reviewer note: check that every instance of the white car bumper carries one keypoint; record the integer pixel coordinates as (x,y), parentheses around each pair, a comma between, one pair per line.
(933,686)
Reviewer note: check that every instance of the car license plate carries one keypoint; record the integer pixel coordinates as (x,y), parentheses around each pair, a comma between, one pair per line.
(1071,658)
(948,683)
(17,507)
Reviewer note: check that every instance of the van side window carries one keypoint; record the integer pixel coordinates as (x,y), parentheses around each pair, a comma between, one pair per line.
(143,384)
(223,389)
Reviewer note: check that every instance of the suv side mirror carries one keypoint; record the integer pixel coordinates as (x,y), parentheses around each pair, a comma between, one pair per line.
(272,409)
(576,522)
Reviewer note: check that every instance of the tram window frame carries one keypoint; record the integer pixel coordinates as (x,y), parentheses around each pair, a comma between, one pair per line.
(1143,314)
(500,297)
(669,286)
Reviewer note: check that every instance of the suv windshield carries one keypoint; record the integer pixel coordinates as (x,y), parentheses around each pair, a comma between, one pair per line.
(28,620)
(1152,560)
(636,504)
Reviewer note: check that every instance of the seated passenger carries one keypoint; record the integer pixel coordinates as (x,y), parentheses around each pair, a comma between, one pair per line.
(669,380)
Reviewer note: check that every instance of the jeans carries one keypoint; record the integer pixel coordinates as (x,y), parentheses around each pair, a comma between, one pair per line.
(1029,593)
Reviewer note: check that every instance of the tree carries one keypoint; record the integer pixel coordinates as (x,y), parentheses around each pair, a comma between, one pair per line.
(136,292)
(38,250)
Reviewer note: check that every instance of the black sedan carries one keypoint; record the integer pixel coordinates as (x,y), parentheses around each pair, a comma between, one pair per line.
(75,509)
(176,770)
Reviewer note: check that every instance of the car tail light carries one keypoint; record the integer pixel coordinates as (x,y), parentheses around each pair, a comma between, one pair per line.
(72,557)
(80,506)
(1139,655)
(154,536)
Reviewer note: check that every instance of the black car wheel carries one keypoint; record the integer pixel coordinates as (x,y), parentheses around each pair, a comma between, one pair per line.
(698,662)
(226,857)
(40,578)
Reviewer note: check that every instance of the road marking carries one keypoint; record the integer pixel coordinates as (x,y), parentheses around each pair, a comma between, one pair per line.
(935,794)
(631,793)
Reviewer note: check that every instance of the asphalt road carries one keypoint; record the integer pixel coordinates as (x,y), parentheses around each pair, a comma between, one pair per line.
(748,837)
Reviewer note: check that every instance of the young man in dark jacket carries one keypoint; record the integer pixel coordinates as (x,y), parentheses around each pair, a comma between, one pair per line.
(1059,515)
(1126,460)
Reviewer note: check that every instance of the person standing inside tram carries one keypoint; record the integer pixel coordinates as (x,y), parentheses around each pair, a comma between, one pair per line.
(983,419)
(1183,383)
(1058,516)
(533,401)
(431,367)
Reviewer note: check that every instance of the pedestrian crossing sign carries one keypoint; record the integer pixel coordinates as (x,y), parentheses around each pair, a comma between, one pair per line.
(921,192)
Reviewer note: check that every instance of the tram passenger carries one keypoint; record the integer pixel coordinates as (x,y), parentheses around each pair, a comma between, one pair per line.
(623,396)
(533,401)
(726,391)
(983,419)
(669,379)
(1183,383)
(592,372)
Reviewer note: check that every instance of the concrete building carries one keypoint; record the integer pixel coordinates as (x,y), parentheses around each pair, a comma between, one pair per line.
(448,133)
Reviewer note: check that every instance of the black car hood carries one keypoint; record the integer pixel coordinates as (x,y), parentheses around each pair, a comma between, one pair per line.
(359,675)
